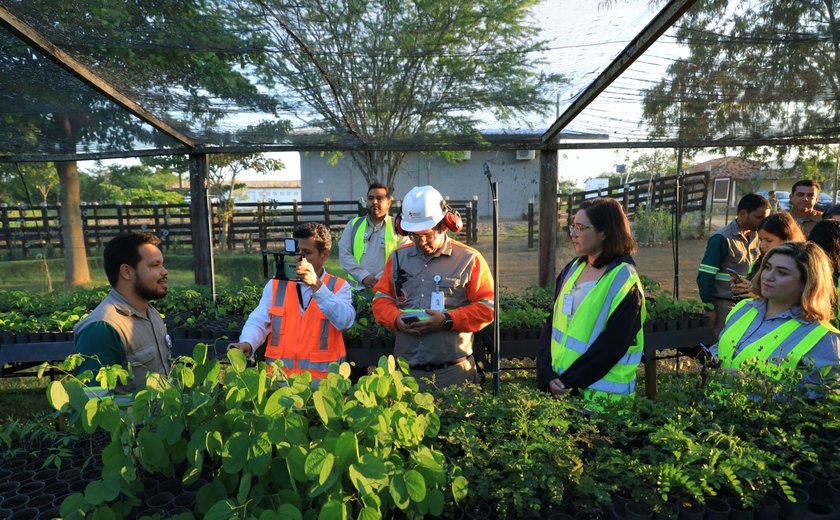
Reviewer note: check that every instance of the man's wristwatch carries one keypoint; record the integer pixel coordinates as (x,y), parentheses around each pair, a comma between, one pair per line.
(447,321)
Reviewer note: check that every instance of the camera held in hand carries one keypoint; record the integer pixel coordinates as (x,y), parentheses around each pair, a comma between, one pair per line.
(285,262)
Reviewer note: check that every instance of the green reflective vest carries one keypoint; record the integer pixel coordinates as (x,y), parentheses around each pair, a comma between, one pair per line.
(773,348)
(570,340)
(358,226)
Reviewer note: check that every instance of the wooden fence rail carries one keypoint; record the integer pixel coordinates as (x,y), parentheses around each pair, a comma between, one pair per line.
(27,231)
(656,193)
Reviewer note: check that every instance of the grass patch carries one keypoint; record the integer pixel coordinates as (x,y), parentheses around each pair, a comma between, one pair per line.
(23,397)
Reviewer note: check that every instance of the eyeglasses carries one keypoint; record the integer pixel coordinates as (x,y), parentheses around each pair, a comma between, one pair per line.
(576,230)
(423,236)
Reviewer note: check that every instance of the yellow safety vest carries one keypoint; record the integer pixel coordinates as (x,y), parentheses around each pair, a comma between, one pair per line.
(571,340)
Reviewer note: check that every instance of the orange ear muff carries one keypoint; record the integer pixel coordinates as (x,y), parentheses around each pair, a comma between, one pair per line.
(398,227)
(452,221)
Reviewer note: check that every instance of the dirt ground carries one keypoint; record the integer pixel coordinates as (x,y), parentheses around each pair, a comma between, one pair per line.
(518,265)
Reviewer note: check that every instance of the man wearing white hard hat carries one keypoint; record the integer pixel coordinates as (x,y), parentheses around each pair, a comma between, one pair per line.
(434,293)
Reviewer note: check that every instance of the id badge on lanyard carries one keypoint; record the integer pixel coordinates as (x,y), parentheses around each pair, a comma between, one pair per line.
(437,296)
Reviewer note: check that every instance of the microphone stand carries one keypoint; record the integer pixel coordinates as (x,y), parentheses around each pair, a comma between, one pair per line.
(496,340)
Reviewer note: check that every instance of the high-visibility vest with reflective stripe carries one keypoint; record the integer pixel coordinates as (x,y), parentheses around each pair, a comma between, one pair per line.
(773,348)
(303,341)
(358,226)
(571,340)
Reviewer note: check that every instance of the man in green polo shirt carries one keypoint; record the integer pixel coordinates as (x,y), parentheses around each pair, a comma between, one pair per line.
(124,328)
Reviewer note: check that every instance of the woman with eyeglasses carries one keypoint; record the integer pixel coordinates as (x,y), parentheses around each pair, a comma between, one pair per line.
(786,324)
(593,340)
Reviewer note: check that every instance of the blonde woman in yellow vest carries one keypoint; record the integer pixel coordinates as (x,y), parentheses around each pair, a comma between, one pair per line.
(368,240)
(593,341)
(787,323)
(301,322)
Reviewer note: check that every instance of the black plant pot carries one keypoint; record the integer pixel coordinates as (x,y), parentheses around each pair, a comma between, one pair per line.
(27,513)
(8,488)
(717,509)
(739,511)
(767,509)
(42,501)
(31,488)
(15,502)
(7,339)
(834,492)
(690,510)
(820,510)
(806,481)
(160,501)
(477,509)
(798,509)
(637,511)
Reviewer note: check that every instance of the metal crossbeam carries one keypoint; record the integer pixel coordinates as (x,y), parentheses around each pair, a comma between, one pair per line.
(665,19)
(37,41)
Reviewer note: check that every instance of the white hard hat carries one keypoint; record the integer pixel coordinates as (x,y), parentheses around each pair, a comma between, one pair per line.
(422,209)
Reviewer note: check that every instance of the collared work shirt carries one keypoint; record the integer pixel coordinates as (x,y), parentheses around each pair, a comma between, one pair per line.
(373,258)
(117,333)
(726,248)
(467,287)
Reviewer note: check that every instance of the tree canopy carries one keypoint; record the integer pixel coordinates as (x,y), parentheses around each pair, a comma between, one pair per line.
(754,70)
(412,72)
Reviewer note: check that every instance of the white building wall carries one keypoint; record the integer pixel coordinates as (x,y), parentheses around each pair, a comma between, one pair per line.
(270,194)
(518,180)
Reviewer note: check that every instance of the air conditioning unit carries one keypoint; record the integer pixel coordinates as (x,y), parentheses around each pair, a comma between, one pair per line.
(525,155)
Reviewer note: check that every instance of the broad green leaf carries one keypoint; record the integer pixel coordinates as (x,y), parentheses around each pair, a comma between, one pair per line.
(295,460)
(213,443)
(424,400)
(344,370)
(346,449)
(398,492)
(95,492)
(208,495)
(235,451)
(199,353)
(370,513)
(153,455)
(237,360)
(244,487)
(277,402)
(460,487)
(104,513)
(416,485)
(315,460)
(57,395)
(321,407)
(89,415)
(435,499)
(333,510)
(74,506)
(369,476)
(110,488)
(259,455)
(108,415)
(221,510)
(288,512)
(323,487)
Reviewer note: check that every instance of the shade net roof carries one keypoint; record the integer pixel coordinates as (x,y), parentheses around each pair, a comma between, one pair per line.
(100,77)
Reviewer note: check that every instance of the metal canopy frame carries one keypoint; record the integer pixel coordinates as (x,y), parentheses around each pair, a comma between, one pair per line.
(660,23)
(34,38)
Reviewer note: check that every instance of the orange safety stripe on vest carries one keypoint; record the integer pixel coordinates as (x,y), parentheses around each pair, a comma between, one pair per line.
(304,341)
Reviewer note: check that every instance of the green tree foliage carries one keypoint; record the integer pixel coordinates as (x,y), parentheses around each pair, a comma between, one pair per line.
(189,50)
(384,71)
(138,184)
(755,69)
(658,162)
(23,182)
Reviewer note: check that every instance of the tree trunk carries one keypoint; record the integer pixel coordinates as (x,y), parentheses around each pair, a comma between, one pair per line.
(75,257)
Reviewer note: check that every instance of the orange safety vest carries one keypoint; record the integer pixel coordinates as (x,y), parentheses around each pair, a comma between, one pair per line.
(304,341)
